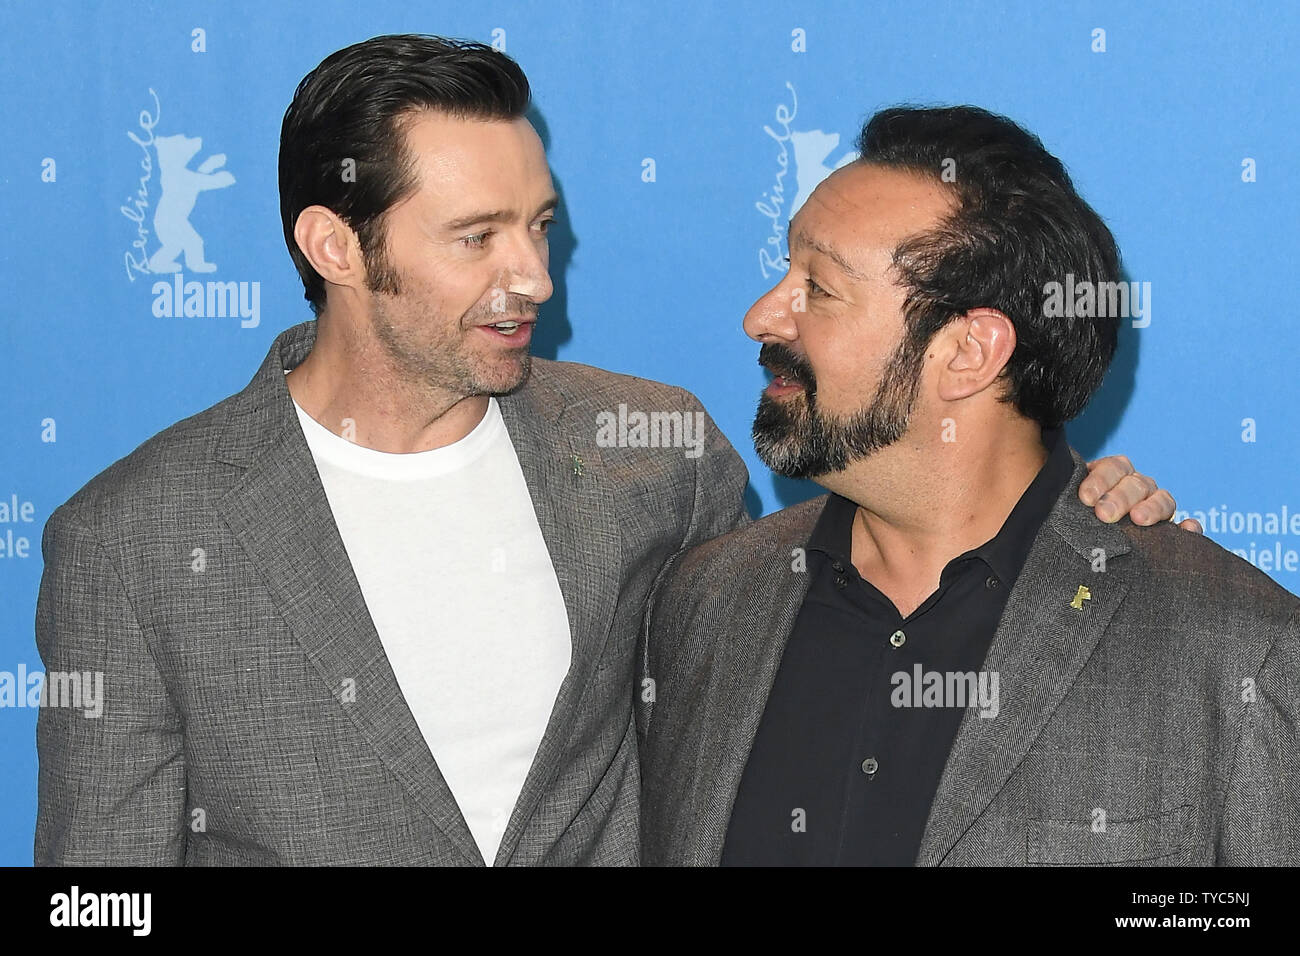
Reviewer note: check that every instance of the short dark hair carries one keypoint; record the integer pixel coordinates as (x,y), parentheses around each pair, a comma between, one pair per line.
(1018,225)
(347,115)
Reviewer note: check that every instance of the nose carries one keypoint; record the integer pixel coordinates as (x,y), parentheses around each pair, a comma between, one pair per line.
(528,272)
(771,318)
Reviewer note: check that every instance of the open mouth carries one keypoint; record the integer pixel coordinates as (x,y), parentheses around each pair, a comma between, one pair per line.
(518,331)
(787,369)
(783,385)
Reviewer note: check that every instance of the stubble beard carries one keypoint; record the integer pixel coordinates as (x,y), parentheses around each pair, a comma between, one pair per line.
(429,350)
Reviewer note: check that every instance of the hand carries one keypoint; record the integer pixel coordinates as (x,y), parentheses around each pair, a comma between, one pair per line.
(1116,490)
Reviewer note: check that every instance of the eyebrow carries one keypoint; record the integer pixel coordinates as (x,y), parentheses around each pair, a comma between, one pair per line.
(802,238)
(499,215)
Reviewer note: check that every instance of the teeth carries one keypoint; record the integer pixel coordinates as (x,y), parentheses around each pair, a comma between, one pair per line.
(507,328)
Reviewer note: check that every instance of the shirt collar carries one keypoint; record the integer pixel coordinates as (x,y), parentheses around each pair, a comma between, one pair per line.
(1007,551)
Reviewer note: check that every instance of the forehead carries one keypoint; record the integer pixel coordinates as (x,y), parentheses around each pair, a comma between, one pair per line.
(866,211)
(470,161)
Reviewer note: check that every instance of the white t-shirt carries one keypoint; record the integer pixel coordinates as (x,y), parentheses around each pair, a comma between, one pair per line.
(454,570)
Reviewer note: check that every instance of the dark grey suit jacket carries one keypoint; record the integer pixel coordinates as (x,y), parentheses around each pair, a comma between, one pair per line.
(228,736)
(1168,702)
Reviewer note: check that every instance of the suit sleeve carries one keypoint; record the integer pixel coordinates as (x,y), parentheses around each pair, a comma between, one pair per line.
(1261,816)
(111,786)
(718,507)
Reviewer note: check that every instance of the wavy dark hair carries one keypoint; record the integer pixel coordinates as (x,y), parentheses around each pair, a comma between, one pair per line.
(1018,225)
(348,114)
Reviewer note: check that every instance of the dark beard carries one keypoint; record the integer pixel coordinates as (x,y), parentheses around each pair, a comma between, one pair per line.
(794,438)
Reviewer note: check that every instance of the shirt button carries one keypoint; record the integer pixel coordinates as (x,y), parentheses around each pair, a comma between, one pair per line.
(992,583)
(840,583)
(897,638)
(870,766)
(838,566)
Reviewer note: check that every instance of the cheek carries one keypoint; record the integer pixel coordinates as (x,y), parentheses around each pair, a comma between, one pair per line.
(456,289)
(845,364)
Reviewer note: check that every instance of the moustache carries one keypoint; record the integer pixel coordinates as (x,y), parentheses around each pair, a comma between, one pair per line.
(785,362)
(514,306)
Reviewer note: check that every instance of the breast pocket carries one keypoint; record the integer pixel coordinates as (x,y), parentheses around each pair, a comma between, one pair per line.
(1109,841)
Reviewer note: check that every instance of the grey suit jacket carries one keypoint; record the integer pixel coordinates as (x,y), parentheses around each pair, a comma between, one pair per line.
(1156,724)
(230,734)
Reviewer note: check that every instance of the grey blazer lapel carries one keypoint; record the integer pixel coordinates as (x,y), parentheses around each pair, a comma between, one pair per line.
(1041,644)
(742,679)
(575,504)
(279,514)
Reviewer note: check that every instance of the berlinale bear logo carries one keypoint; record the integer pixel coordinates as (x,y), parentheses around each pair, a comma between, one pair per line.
(811,150)
(180,190)
(180,246)
(806,154)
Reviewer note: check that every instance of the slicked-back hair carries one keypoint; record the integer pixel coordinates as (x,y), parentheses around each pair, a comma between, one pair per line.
(342,143)
(1018,225)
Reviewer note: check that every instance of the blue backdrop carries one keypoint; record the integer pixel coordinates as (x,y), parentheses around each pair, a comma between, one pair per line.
(680,136)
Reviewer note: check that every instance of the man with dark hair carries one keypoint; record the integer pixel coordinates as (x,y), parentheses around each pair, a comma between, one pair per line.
(381,606)
(949,660)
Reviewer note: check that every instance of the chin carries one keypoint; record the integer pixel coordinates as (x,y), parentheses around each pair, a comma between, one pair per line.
(505,381)
(783,455)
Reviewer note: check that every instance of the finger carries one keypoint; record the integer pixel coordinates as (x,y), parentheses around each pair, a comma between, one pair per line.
(1192,525)
(1108,472)
(1105,475)
(1154,508)
(1124,497)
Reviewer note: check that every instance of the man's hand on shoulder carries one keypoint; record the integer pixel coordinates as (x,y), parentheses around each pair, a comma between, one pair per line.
(1114,489)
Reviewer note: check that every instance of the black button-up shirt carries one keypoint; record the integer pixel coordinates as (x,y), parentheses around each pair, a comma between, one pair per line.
(866,703)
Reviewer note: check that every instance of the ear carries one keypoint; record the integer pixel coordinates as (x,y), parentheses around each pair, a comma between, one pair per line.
(980,344)
(330,246)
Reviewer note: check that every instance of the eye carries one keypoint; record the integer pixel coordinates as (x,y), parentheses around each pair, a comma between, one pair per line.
(475,242)
(813,287)
(543,225)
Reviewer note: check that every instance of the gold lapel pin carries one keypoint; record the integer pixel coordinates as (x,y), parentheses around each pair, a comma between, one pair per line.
(1081,595)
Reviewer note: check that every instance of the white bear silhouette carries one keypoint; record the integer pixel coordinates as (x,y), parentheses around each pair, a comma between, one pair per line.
(180,189)
(810,152)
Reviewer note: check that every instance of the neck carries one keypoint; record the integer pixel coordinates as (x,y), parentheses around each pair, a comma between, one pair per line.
(351,385)
(922,503)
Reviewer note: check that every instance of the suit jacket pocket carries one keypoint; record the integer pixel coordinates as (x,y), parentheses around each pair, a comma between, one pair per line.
(1151,840)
